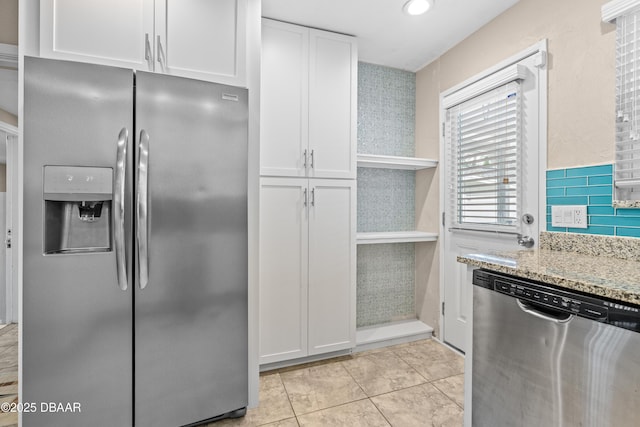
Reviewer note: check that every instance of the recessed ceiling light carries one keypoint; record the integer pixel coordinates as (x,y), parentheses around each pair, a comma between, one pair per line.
(417,7)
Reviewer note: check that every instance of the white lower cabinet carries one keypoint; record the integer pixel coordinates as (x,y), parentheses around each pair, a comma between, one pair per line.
(307,267)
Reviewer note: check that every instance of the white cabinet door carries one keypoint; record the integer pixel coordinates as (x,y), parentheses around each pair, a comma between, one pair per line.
(308,102)
(283,269)
(284,99)
(332,265)
(332,105)
(97,31)
(202,39)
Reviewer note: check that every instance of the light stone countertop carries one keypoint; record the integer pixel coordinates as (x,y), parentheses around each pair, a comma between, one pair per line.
(615,278)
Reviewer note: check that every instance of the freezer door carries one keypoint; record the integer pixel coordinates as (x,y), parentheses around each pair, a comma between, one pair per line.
(191,315)
(77,319)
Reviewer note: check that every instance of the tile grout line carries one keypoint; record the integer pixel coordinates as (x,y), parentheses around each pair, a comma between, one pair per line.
(288,398)
(446,395)
(365,393)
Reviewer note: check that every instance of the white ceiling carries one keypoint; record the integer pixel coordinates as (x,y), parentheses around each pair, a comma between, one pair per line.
(386,36)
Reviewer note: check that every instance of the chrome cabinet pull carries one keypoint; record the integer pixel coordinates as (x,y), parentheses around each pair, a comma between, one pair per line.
(313,159)
(305,197)
(160,57)
(148,51)
(304,154)
(142,201)
(118,210)
(313,197)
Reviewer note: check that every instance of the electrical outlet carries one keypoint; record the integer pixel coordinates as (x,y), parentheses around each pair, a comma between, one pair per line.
(569,216)
(580,216)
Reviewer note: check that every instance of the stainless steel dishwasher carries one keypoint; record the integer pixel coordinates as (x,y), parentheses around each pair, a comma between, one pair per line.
(544,356)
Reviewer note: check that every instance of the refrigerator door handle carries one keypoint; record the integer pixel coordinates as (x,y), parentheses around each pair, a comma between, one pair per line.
(118,210)
(142,208)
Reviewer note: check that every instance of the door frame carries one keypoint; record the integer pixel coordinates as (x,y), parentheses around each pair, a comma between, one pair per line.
(541,47)
(12,218)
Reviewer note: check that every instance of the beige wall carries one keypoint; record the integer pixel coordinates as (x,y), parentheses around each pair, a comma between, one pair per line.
(9,21)
(8,35)
(3,178)
(581,96)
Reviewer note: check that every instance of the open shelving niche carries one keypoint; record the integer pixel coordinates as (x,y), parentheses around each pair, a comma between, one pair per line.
(404,331)
(403,163)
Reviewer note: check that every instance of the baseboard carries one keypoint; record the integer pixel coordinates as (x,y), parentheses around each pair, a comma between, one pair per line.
(372,337)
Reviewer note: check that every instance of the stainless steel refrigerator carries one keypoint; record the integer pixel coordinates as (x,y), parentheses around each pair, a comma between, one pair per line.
(135,247)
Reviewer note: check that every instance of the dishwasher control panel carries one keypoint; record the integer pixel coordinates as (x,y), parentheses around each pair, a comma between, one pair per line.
(552,300)
(548,297)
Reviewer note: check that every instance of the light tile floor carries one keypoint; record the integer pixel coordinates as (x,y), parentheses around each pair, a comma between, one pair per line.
(9,372)
(415,384)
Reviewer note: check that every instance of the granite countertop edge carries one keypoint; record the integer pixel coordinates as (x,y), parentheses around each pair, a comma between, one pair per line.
(599,286)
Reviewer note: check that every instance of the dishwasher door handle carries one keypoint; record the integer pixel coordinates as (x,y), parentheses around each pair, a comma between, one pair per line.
(530,309)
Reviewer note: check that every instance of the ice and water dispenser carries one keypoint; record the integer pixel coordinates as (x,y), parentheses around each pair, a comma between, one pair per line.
(77,209)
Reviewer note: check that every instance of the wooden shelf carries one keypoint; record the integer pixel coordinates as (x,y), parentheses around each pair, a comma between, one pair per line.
(394,162)
(395,237)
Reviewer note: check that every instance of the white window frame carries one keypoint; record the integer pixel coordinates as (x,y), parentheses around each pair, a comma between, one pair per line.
(471,93)
(475,82)
(626,149)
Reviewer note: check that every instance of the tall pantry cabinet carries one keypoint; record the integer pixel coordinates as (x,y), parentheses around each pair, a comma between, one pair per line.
(308,192)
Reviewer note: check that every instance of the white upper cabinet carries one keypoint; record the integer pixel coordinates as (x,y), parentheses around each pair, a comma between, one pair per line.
(202,39)
(103,32)
(191,38)
(284,96)
(308,102)
(333,106)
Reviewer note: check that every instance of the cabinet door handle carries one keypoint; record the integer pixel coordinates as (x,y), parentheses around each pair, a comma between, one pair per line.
(312,158)
(305,196)
(305,158)
(160,54)
(313,197)
(148,56)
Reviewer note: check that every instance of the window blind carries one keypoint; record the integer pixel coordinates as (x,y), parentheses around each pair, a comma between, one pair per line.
(627,171)
(483,138)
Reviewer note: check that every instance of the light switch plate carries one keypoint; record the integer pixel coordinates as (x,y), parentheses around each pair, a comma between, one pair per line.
(573,216)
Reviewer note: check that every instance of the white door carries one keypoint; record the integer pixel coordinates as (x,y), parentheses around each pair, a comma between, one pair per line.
(482,215)
(115,32)
(283,268)
(11,227)
(284,99)
(202,39)
(332,265)
(332,105)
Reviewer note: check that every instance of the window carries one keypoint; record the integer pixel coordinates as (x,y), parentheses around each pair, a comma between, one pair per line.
(626,15)
(484,141)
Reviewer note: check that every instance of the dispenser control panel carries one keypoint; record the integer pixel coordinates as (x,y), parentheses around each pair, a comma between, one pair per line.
(82,181)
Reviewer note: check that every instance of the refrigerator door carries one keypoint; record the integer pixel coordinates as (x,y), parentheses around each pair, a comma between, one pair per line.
(191,315)
(77,319)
